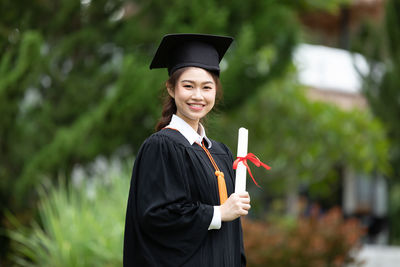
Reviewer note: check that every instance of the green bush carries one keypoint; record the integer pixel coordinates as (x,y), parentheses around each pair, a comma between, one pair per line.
(79,225)
(315,241)
(83,226)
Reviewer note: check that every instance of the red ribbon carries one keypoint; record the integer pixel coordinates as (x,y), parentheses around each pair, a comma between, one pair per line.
(253,159)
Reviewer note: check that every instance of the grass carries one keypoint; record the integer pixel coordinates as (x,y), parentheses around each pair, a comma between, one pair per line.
(79,225)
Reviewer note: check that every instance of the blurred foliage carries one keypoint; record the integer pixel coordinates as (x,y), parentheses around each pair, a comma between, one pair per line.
(78,225)
(314,241)
(315,139)
(380,43)
(82,225)
(394,213)
(315,5)
(75,84)
(75,81)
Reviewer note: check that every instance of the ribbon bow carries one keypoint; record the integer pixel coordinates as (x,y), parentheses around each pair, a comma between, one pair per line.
(253,159)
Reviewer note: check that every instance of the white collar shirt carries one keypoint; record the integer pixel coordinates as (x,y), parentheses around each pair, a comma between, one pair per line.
(188,132)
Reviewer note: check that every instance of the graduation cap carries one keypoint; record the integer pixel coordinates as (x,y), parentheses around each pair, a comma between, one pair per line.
(191,50)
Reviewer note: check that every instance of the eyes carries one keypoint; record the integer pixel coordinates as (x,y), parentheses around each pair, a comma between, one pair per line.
(189,86)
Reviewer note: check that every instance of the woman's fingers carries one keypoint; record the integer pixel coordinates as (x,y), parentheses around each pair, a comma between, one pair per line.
(246,206)
(236,205)
(243,212)
(245,200)
(244,194)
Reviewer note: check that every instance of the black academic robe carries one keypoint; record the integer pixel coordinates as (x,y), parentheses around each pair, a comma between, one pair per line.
(170,206)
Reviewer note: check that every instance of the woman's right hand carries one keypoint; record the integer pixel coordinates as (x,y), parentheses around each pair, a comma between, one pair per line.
(235,206)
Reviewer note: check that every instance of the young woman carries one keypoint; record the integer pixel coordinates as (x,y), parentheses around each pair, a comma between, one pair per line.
(179,213)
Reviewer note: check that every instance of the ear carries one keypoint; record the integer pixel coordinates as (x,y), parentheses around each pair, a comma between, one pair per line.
(171,91)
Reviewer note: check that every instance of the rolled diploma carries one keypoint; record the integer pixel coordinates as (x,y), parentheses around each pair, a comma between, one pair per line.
(240,185)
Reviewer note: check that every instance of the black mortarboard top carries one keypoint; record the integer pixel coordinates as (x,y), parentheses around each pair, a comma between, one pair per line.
(191,50)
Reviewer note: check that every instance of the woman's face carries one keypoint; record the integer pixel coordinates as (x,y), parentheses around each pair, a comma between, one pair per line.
(194,95)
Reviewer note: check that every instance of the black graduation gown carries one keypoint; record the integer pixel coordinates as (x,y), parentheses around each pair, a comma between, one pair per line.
(170,206)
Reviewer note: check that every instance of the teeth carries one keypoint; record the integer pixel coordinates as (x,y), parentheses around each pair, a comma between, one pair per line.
(194,105)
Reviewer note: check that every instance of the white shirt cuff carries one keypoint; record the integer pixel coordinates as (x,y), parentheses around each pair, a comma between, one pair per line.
(216,219)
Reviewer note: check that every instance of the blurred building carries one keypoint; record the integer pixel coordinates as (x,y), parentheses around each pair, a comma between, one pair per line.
(334,29)
(333,75)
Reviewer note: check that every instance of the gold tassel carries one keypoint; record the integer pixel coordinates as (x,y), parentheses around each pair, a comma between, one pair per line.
(223,195)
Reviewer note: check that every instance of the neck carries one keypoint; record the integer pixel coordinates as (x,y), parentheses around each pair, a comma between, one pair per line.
(193,123)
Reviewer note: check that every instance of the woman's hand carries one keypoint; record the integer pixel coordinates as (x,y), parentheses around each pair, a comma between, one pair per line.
(235,206)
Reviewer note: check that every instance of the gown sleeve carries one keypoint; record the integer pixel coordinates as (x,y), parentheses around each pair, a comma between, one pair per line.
(170,224)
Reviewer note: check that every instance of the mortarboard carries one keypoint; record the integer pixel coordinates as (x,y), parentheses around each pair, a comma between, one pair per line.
(191,50)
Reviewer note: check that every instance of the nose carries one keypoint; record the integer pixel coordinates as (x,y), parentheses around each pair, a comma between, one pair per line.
(197,94)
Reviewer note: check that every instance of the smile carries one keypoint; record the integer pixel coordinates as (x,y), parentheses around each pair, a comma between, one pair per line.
(196,106)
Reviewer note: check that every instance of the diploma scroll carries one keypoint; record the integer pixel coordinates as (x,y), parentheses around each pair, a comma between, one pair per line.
(240,185)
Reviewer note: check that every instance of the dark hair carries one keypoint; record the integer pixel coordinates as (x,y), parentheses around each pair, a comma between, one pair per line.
(169,106)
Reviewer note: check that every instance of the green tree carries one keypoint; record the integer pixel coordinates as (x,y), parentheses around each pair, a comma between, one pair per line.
(380,42)
(87,92)
(75,83)
(304,142)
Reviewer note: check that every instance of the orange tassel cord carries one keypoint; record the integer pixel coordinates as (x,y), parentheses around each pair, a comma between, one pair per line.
(223,194)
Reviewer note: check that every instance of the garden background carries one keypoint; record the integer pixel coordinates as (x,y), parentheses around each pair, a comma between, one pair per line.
(77,99)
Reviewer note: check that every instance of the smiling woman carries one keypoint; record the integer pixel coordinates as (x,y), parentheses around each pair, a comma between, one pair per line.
(194,95)
(208,81)
(179,213)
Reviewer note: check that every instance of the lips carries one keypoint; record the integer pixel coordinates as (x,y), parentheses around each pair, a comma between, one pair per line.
(196,107)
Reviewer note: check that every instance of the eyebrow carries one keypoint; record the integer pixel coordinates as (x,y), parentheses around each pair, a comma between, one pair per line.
(189,81)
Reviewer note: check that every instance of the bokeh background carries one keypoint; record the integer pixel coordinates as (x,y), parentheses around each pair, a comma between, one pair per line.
(315,82)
